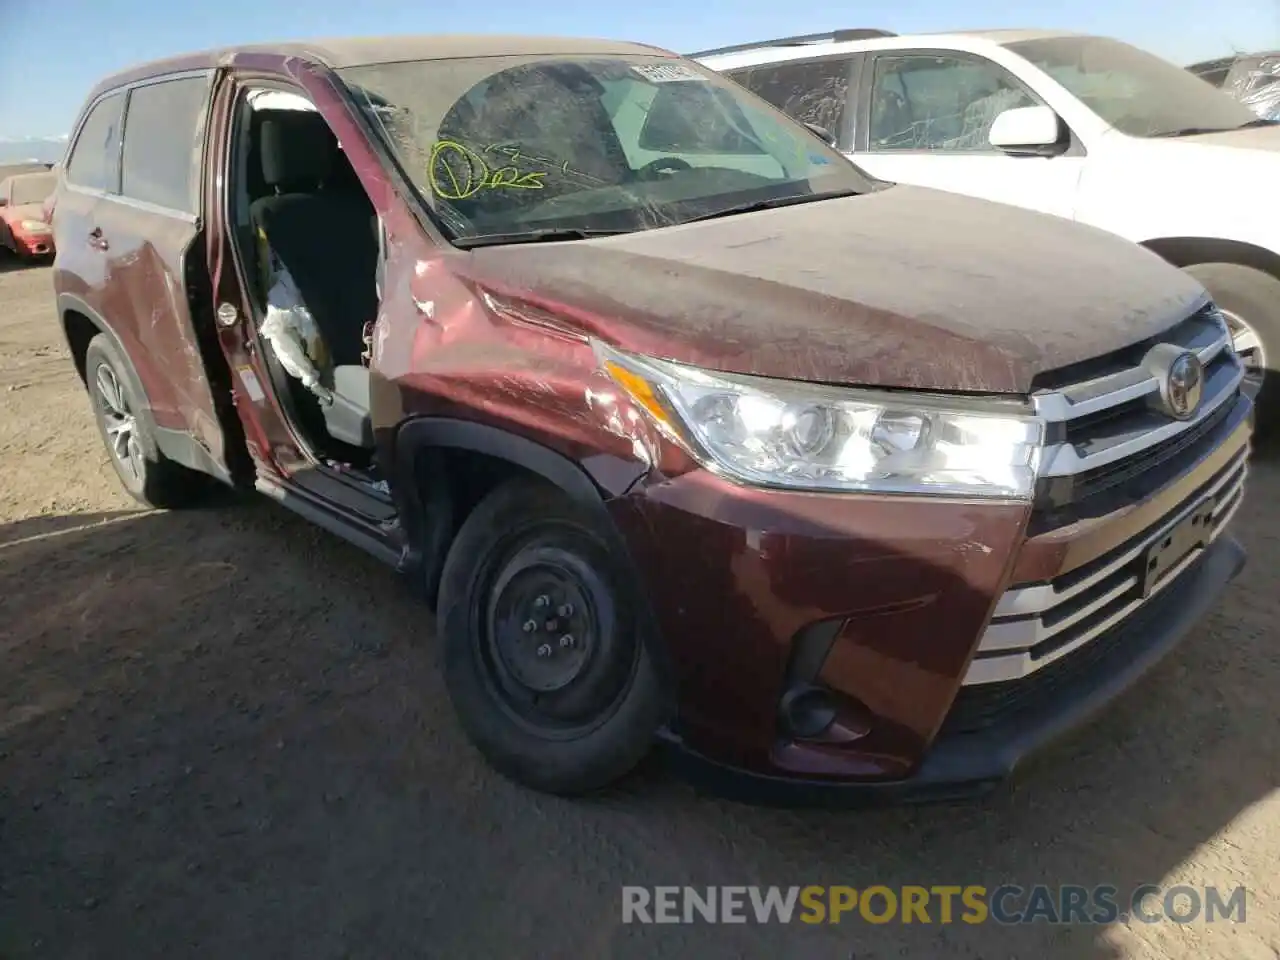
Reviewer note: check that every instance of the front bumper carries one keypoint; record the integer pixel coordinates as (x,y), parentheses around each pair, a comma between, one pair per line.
(973,763)
(31,245)
(891,608)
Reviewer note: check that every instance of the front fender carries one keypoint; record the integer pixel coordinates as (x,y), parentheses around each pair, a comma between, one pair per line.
(423,493)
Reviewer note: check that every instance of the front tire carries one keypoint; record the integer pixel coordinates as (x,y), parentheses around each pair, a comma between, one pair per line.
(1250,300)
(546,648)
(147,475)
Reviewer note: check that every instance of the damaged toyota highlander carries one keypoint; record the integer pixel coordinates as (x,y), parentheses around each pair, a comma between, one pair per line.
(687,430)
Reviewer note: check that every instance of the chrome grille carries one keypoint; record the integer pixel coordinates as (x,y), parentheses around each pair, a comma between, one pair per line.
(1098,431)
(1035,625)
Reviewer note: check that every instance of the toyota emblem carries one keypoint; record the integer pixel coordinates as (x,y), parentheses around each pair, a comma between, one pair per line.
(1184,385)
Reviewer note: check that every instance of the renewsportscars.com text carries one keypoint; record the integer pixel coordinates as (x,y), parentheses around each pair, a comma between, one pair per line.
(939,904)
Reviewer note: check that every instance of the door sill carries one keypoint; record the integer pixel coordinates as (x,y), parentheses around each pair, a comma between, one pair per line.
(354,523)
(346,493)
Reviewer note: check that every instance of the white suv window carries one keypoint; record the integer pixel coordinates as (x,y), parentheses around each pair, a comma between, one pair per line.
(928,102)
(815,91)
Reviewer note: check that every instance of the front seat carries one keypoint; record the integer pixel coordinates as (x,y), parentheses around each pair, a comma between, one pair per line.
(318,228)
(319,231)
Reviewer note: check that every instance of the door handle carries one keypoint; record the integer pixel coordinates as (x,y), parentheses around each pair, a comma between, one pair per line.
(97,240)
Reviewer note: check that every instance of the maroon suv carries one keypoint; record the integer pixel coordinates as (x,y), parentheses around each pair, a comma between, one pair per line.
(688,429)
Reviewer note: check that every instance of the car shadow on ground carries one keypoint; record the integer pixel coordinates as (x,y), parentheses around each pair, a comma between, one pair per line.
(12,264)
(222,733)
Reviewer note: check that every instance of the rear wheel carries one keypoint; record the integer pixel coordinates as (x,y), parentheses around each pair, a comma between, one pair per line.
(1250,300)
(146,473)
(546,655)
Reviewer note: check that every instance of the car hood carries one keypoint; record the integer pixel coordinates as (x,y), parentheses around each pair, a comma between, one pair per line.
(1222,182)
(1265,139)
(23,211)
(1219,160)
(904,287)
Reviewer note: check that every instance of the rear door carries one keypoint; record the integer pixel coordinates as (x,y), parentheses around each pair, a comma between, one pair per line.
(926,116)
(91,177)
(151,240)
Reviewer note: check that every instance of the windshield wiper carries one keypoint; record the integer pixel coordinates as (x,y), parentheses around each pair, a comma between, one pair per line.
(773,203)
(1260,122)
(532,236)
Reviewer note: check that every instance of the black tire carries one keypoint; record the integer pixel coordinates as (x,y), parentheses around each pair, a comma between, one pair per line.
(1254,297)
(525,542)
(148,475)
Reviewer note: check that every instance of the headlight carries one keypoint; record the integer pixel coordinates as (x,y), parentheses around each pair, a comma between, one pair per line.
(35,226)
(805,436)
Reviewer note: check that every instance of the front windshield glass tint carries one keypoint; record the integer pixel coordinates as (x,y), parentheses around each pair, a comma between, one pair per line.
(514,145)
(1136,92)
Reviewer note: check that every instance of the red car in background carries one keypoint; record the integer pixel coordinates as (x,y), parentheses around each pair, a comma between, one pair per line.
(24,215)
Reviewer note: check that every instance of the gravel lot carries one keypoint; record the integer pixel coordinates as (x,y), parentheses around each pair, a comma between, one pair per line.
(222,734)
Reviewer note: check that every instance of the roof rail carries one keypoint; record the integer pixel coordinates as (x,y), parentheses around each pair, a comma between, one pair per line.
(831,36)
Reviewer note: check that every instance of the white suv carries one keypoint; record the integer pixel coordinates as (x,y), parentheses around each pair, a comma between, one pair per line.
(1082,127)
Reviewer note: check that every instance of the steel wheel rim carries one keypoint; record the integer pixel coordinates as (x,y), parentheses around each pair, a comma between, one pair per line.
(597,666)
(119,423)
(544,628)
(1248,346)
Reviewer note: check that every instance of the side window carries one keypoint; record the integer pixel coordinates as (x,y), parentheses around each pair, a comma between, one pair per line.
(163,132)
(939,103)
(814,92)
(94,161)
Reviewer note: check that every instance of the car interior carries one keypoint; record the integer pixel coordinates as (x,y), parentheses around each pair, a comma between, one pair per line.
(297,197)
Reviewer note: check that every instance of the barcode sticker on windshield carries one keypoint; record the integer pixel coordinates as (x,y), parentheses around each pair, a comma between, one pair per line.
(667,72)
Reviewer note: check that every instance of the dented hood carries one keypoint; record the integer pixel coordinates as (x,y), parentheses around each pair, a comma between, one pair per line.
(905,287)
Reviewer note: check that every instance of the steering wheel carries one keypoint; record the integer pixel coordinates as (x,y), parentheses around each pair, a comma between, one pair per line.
(663,165)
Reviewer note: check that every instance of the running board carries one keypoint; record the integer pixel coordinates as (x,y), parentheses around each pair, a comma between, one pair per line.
(368,537)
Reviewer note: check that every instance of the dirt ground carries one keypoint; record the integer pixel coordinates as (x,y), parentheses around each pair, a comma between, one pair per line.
(223,734)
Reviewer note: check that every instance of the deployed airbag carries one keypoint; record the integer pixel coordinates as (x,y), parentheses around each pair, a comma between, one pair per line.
(293,334)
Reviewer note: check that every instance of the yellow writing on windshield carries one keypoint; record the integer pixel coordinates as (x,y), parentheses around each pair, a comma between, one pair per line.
(512,151)
(457,172)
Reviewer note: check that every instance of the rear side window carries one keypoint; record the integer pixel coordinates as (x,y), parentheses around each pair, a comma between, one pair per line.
(816,92)
(94,161)
(163,132)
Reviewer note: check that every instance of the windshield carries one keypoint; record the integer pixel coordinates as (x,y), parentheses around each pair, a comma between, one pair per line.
(32,188)
(524,145)
(1136,92)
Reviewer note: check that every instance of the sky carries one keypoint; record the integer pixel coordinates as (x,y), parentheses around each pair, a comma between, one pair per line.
(55,50)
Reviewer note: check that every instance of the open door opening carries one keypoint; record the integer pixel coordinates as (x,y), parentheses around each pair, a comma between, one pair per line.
(308,241)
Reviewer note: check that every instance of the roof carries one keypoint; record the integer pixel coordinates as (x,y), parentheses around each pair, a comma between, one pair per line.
(824,47)
(1015,35)
(342,52)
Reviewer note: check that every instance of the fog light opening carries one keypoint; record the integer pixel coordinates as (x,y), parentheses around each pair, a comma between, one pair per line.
(806,712)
